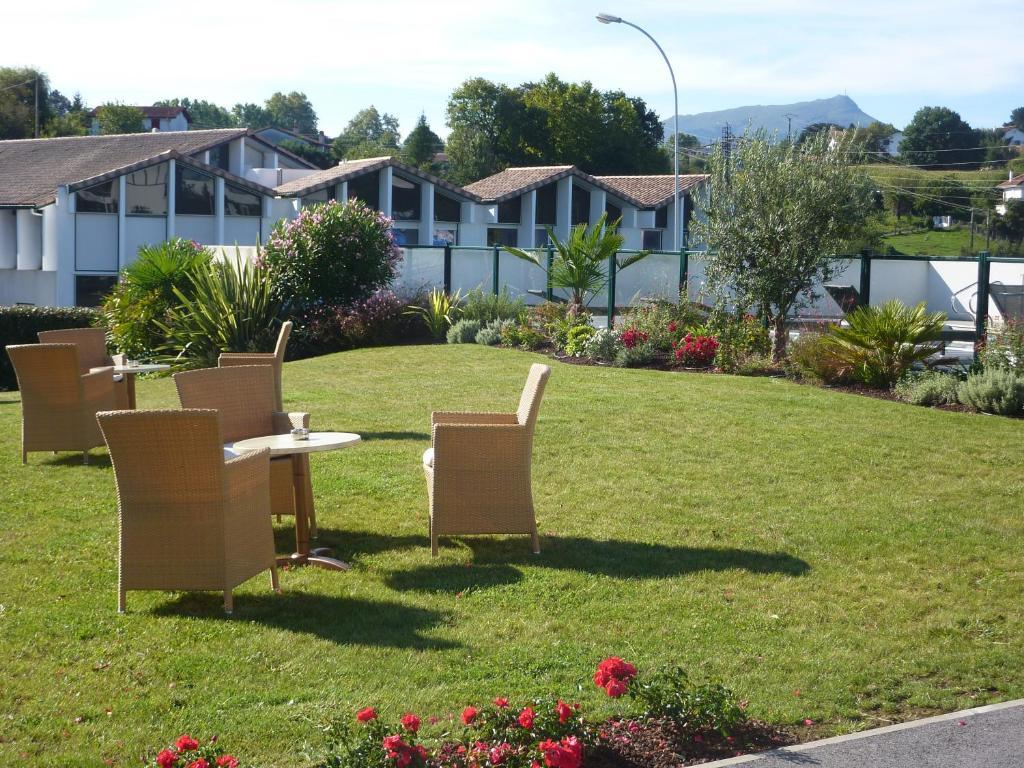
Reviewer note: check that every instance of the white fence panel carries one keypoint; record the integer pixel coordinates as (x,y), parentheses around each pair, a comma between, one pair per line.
(472,269)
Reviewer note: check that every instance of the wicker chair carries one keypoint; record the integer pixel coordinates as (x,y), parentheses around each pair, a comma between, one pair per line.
(274,359)
(478,468)
(189,520)
(245,398)
(92,354)
(58,402)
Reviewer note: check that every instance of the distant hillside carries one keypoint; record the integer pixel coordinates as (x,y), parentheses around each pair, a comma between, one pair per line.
(707,126)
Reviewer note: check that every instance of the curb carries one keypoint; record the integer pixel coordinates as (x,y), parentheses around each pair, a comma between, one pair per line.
(798,748)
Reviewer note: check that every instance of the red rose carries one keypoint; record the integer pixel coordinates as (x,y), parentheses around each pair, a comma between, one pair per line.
(672,327)
(499,753)
(468,715)
(616,688)
(613,668)
(366,715)
(526,718)
(227,761)
(410,722)
(167,758)
(564,712)
(185,743)
(501,702)
(200,763)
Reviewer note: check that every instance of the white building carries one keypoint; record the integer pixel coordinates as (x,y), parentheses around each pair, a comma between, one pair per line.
(1012,189)
(154,119)
(1013,135)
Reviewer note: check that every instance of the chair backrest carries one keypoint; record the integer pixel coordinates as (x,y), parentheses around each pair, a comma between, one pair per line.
(282,341)
(245,396)
(91,343)
(48,374)
(529,403)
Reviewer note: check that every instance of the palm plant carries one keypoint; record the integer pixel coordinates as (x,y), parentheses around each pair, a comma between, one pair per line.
(439,312)
(580,264)
(881,343)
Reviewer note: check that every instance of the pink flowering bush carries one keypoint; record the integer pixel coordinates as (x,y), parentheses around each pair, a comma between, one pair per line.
(187,752)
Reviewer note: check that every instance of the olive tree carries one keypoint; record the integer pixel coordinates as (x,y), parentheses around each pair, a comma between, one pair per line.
(774,216)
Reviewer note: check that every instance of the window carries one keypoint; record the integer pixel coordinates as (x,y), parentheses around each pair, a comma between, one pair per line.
(146,191)
(90,289)
(446,208)
(193,192)
(404,237)
(100,198)
(547,205)
(540,238)
(501,236)
(446,236)
(510,211)
(652,240)
(661,217)
(580,205)
(238,202)
(219,157)
(254,158)
(613,211)
(366,188)
(405,199)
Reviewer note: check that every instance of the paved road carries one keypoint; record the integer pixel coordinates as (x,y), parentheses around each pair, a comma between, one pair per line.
(986,737)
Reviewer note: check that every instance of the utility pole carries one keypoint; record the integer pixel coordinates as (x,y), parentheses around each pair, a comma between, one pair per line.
(789,125)
(972,230)
(37,105)
(988,228)
(727,147)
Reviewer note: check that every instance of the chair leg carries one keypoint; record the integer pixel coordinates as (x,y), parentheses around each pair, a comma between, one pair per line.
(120,599)
(275,584)
(536,541)
(312,522)
(24,456)
(433,544)
(85,457)
(229,602)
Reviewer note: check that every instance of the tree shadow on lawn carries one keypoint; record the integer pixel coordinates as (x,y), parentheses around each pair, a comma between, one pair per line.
(342,620)
(495,560)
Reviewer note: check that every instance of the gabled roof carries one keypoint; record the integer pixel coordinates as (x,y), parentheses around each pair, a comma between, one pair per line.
(32,169)
(1016,181)
(348,169)
(653,191)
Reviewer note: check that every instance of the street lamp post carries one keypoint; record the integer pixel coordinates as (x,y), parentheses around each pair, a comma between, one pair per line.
(607,18)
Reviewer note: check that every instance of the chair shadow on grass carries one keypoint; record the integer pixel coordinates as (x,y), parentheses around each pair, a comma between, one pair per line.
(347,545)
(96,460)
(339,619)
(495,562)
(417,436)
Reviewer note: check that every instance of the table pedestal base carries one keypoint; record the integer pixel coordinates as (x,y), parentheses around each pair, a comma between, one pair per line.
(319,557)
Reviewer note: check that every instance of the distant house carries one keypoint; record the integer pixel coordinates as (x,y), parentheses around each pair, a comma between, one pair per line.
(1012,189)
(1013,135)
(153,119)
(891,146)
(276,135)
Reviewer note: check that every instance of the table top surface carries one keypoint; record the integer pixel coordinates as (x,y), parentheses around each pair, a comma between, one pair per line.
(283,445)
(142,368)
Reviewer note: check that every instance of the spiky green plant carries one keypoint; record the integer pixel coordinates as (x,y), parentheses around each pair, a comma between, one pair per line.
(439,311)
(580,262)
(881,343)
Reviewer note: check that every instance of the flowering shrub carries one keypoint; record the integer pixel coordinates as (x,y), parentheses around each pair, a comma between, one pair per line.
(375,320)
(614,675)
(577,338)
(332,254)
(662,321)
(603,345)
(742,339)
(187,752)
(632,337)
(696,351)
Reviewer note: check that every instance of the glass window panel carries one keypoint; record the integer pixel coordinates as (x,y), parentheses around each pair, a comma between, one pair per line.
(501,236)
(193,192)
(366,188)
(511,211)
(405,199)
(90,289)
(540,238)
(652,240)
(238,202)
(613,211)
(580,205)
(661,217)
(404,237)
(99,198)
(219,157)
(547,206)
(446,237)
(146,191)
(446,208)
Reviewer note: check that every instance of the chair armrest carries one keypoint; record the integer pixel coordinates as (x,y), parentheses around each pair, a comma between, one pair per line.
(479,447)
(98,386)
(286,422)
(247,492)
(469,417)
(245,358)
(245,473)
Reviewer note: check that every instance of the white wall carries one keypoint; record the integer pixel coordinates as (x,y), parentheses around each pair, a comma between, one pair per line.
(202,229)
(244,230)
(419,270)
(29,238)
(96,242)
(28,287)
(140,231)
(8,239)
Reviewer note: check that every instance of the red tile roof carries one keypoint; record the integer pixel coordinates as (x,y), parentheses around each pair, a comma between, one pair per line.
(653,191)
(1016,181)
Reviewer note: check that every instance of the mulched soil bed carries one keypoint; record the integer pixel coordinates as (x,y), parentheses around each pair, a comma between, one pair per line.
(662,744)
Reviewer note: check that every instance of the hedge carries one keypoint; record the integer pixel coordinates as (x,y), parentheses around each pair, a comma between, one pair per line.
(19,325)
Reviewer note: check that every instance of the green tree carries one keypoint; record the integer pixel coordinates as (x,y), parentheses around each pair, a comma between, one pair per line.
(1010,226)
(317,157)
(812,131)
(119,118)
(251,116)
(774,218)
(942,196)
(421,145)
(204,114)
(368,134)
(938,137)
(292,111)
(18,101)
(869,144)
(1017,118)
(70,117)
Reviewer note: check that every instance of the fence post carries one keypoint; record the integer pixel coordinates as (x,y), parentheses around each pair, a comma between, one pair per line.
(684,276)
(494,271)
(612,264)
(981,313)
(865,278)
(447,278)
(551,263)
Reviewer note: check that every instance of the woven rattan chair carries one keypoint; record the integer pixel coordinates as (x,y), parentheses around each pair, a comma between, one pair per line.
(58,402)
(189,520)
(92,354)
(245,398)
(478,468)
(274,359)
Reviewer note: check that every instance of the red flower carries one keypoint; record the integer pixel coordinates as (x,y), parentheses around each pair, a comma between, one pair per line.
(631,337)
(499,753)
(200,763)
(185,743)
(614,670)
(410,722)
(672,327)
(468,715)
(616,688)
(167,758)
(227,761)
(565,754)
(366,715)
(526,718)
(564,712)
(501,702)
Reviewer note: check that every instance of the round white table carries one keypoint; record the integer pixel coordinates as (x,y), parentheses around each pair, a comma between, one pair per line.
(299,450)
(129,372)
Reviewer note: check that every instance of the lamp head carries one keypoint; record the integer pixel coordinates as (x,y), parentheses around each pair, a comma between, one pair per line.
(607,18)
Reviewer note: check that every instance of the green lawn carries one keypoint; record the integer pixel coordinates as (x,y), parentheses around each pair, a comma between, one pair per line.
(847,559)
(953,242)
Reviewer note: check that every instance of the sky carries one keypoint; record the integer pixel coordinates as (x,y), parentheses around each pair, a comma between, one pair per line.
(406,56)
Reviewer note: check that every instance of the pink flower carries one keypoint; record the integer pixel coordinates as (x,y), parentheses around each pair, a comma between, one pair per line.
(410,722)
(808,721)
(366,715)
(468,715)
(499,753)
(227,761)
(525,718)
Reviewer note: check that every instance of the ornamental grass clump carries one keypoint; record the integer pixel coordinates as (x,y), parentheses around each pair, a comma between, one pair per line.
(994,390)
